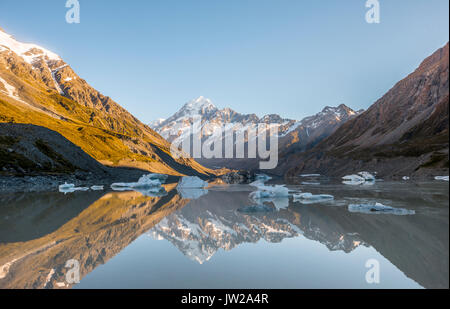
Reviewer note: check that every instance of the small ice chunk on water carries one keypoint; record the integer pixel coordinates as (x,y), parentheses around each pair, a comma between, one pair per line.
(367,176)
(442,178)
(309,198)
(278,195)
(145,182)
(98,188)
(192,182)
(406,178)
(360,179)
(84,189)
(66,186)
(269,192)
(70,188)
(379,208)
(354,178)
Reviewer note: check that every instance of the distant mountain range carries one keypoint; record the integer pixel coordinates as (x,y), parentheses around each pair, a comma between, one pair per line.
(294,135)
(404,133)
(37,87)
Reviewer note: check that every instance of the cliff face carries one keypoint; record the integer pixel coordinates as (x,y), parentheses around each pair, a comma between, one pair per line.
(37,87)
(403,133)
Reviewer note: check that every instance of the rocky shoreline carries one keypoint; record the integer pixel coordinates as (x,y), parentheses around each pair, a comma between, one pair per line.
(42,183)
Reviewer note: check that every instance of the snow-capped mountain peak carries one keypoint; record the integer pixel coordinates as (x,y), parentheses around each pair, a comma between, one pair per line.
(29,52)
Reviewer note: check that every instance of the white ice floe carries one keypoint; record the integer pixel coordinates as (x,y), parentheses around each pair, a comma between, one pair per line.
(359,179)
(70,188)
(192,183)
(308,198)
(379,208)
(442,178)
(367,176)
(145,182)
(269,191)
(278,195)
(98,188)
(66,186)
(406,178)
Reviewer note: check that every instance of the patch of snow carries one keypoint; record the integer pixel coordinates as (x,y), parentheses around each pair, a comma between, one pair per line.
(379,208)
(310,175)
(49,277)
(23,49)
(442,178)
(405,178)
(11,91)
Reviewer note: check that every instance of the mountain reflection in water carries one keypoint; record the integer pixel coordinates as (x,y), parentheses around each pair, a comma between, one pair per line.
(40,232)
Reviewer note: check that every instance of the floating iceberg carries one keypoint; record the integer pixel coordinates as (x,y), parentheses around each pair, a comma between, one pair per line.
(66,186)
(360,179)
(442,178)
(265,192)
(278,195)
(367,176)
(308,198)
(98,188)
(378,208)
(70,188)
(192,183)
(145,182)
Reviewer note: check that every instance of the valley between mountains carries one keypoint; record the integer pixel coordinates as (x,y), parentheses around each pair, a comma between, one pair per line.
(54,125)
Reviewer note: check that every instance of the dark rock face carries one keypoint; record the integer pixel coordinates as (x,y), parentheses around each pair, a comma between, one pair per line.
(403,133)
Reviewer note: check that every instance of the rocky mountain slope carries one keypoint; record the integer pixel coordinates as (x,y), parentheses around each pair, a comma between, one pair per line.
(38,87)
(29,149)
(403,133)
(293,135)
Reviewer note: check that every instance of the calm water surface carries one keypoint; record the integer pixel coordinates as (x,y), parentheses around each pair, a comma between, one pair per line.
(208,239)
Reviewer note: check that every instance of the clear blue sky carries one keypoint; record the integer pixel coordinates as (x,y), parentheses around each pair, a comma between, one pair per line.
(291,57)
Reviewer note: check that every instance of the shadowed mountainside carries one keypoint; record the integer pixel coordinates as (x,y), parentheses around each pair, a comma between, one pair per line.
(403,133)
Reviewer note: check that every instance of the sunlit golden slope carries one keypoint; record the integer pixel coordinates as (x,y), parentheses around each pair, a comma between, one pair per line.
(46,92)
(93,237)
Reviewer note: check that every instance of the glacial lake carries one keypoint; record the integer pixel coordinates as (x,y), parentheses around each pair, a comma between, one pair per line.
(212,239)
